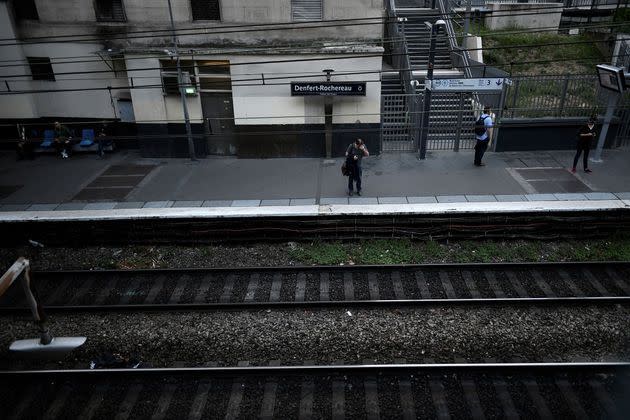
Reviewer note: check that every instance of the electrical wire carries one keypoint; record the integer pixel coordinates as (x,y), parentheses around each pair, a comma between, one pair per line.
(160,86)
(58,60)
(345,57)
(76,38)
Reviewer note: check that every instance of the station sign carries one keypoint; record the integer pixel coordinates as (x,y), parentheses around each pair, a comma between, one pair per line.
(327,88)
(468,85)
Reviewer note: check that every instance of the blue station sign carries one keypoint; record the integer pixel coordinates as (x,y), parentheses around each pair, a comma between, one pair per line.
(327,88)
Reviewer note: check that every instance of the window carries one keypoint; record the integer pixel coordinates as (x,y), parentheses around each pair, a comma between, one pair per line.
(109,11)
(41,69)
(303,10)
(205,9)
(170,84)
(25,9)
(214,76)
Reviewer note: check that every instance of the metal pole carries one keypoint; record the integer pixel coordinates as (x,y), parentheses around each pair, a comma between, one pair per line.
(182,90)
(427,94)
(612,101)
(467,20)
(328,118)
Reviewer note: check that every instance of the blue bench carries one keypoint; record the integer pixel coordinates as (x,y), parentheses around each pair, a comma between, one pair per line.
(87,137)
(49,138)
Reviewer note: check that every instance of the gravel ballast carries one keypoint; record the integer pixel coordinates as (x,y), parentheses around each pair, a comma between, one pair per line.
(571,333)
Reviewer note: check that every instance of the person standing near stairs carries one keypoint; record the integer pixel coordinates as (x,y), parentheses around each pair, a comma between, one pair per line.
(483,133)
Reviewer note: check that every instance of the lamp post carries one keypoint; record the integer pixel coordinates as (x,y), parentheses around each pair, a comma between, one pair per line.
(427,88)
(182,89)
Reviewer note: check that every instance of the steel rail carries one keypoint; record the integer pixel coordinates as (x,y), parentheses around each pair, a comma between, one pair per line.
(318,369)
(466,297)
(356,267)
(174,307)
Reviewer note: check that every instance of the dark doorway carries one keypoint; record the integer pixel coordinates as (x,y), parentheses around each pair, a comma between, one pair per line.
(218,114)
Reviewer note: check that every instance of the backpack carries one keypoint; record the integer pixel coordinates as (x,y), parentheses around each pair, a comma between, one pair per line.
(480,125)
(345,171)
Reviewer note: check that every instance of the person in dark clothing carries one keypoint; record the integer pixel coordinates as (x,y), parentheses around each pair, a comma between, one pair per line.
(103,140)
(585,135)
(484,137)
(63,140)
(354,154)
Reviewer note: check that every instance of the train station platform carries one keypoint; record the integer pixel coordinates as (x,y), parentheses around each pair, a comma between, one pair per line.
(124,180)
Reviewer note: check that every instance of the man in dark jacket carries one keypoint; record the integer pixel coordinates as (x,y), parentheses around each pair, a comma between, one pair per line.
(586,134)
(63,140)
(354,154)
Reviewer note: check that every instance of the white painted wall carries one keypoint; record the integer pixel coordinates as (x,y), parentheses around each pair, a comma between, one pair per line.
(77,104)
(150,105)
(273,104)
(475,45)
(531,16)
(13,106)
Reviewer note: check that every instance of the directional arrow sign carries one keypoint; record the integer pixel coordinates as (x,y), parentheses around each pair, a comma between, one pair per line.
(467,85)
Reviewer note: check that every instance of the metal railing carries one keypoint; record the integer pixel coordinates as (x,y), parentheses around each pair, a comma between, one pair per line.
(566,3)
(400,61)
(553,96)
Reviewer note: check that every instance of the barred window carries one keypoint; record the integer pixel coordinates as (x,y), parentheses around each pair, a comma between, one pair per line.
(205,9)
(304,10)
(25,9)
(170,83)
(41,69)
(109,11)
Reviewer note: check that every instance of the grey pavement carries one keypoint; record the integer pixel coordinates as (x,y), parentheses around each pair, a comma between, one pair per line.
(84,182)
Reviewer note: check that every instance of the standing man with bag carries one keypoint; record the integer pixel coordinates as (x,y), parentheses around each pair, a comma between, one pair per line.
(354,154)
(483,132)
(586,134)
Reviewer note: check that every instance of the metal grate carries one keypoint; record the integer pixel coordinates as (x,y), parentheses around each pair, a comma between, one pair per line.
(109,11)
(451,121)
(303,10)
(396,124)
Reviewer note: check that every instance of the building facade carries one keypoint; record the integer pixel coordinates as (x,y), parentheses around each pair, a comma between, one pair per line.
(114,60)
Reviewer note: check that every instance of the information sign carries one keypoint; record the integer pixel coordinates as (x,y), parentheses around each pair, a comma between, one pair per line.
(327,88)
(468,85)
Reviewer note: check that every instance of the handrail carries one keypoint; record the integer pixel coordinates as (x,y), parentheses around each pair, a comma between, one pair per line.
(455,49)
(400,58)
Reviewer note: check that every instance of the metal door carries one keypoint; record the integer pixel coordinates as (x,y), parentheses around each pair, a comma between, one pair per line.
(125,110)
(218,114)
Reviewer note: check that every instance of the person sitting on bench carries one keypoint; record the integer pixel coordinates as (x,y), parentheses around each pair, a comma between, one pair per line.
(63,140)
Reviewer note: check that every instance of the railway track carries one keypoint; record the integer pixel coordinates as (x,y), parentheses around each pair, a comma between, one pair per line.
(327,286)
(569,390)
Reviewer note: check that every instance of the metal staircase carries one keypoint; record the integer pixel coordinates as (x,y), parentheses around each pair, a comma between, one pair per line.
(418,37)
(451,117)
(395,118)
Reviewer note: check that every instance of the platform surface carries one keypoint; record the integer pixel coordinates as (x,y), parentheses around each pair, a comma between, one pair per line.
(124,180)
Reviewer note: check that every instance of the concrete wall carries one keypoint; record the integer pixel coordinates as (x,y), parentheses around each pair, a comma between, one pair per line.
(63,17)
(66,11)
(531,16)
(13,106)
(150,105)
(474,43)
(258,104)
(252,11)
(77,104)
(274,101)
